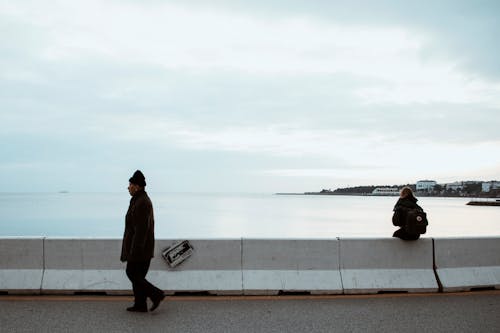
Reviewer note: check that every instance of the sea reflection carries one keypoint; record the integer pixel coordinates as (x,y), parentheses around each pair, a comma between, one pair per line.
(183,215)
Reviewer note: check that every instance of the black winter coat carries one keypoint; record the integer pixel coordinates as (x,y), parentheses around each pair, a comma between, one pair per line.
(139,239)
(401,209)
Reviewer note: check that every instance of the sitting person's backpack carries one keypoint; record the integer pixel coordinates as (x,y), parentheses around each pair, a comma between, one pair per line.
(416,222)
(398,217)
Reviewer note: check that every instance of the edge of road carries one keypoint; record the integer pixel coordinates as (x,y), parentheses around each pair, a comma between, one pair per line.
(106,298)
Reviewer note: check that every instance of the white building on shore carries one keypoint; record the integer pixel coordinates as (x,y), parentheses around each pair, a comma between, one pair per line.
(488,186)
(456,186)
(425,185)
(386,191)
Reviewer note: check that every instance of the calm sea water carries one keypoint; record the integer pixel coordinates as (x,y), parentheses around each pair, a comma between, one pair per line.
(235,215)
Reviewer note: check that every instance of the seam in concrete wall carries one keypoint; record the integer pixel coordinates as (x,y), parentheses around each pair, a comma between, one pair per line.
(241,265)
(434,268)
(340,267)
(43,264)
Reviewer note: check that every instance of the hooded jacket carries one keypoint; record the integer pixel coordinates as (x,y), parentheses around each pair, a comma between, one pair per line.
(401,209)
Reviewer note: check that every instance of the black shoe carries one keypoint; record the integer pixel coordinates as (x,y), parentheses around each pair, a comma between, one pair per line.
(156,301)
(137,309)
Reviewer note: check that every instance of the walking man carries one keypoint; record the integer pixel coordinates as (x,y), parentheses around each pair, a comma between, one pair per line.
(138,245)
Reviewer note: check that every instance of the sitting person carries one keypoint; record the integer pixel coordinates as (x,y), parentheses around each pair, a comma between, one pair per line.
(406,202)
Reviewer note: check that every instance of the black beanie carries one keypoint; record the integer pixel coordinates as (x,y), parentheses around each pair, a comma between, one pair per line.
(138,178)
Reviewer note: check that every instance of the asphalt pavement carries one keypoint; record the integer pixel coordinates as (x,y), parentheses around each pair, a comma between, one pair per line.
(458,312)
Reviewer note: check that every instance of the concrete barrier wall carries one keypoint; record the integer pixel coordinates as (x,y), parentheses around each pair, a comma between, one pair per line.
(214,267)
(465,264)
(84,265)
(272,266)
(21,265)
(255,266)
(378,265)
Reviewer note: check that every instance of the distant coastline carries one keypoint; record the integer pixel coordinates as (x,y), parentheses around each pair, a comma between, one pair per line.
(425,188)
(388,195)
(323,193)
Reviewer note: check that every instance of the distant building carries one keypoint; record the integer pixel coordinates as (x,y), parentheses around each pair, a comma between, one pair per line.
(456,186)
(488,186)
(425,185)
(386,191)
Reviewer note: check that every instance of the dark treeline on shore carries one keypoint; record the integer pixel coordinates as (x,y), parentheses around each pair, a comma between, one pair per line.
(457,189)
(365,189)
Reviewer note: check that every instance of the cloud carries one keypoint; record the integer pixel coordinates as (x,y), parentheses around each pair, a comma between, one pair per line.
(346,171)
(175,36)
(301,89)
(459,29)
(386,59)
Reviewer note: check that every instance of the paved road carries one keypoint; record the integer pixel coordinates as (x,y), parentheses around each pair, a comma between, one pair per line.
(461,312)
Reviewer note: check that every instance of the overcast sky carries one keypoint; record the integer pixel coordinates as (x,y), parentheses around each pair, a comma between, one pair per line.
(247,96)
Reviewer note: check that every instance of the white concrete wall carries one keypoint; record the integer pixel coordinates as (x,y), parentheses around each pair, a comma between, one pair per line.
(464,264)
(255,266)
(386,264)
(85,265)
(21,265)
(214,267)
(274,265)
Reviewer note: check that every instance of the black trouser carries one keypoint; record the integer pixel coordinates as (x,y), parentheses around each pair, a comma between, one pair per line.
(400,233)
(136,272)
